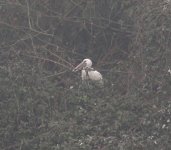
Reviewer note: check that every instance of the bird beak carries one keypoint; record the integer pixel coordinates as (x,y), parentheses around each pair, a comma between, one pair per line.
(79,67)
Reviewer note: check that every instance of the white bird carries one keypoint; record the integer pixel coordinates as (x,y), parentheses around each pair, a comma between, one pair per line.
(87,72)
(169,71)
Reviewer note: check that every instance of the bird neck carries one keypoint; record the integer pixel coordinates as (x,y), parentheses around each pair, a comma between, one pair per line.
(88,69)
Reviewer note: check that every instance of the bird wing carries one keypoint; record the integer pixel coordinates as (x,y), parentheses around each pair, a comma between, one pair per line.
(95,75)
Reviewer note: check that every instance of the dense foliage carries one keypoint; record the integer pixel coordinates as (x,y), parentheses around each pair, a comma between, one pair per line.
(43,104)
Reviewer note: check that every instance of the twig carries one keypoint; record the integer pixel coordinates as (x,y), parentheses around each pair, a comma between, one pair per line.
(22,27)
(57,74)
(46,59)
(60,58)
(28,15)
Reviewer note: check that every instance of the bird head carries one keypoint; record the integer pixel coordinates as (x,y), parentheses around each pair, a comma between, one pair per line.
(86,63)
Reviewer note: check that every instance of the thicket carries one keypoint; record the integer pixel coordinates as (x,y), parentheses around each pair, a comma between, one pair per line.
(43,104)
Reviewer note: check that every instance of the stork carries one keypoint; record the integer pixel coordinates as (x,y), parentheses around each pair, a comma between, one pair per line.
(87,72)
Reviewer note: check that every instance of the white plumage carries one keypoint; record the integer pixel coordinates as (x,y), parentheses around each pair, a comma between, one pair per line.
(88,73)
(91,74)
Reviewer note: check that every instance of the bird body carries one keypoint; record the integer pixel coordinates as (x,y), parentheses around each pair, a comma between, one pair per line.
(91,74)
(87,72)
